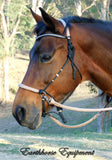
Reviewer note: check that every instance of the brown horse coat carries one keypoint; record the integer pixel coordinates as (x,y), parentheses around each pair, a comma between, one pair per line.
(92,40)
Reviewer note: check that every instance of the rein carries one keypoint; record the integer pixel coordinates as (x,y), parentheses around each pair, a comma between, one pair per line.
(43,93)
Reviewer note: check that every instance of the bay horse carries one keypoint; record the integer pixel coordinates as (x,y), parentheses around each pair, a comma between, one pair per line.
(53,54)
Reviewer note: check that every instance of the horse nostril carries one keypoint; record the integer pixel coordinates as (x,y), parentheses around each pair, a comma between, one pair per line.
(20,114)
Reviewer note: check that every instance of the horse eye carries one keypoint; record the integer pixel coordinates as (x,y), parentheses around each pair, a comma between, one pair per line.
(45,58)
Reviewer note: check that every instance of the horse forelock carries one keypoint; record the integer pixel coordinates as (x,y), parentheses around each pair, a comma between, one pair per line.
(41,28)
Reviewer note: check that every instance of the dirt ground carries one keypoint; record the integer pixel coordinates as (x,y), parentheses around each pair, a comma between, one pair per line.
(51,137)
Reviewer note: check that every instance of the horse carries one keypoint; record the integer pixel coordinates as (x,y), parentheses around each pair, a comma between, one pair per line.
(66,52)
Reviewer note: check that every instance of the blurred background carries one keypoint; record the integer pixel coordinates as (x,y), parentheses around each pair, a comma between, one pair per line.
(16,40)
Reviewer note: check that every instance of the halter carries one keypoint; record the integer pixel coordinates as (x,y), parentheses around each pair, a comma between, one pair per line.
(70,57)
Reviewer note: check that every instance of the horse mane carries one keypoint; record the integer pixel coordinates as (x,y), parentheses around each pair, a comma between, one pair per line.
(77,19)
(40,28)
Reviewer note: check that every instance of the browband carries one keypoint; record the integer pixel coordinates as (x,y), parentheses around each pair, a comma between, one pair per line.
(57,35)
(52,35)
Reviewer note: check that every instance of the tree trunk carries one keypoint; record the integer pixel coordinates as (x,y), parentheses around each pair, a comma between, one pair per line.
(101,101)
(78,7)
(4,83)
(34,4)
(6,79)
(100,120)
(108,14)
(104,9)
(39,4)
(8,39)
(1,80)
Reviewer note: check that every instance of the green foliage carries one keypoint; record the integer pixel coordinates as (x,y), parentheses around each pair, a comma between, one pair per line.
(24,38)
(110,129)
(92,87)
(17,17)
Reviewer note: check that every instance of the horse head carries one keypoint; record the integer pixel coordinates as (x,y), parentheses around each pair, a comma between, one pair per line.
(47,57)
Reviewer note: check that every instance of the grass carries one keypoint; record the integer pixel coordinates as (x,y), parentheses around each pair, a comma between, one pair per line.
(88,141)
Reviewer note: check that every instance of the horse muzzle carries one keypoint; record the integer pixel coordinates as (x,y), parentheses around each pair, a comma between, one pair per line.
(31,119)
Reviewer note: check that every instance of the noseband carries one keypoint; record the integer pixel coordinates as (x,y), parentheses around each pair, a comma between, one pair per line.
(70,57)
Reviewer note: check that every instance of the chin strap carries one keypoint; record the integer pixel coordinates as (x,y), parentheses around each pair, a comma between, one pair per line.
(59,110)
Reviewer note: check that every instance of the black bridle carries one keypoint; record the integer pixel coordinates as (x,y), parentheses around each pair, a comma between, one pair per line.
(70,57)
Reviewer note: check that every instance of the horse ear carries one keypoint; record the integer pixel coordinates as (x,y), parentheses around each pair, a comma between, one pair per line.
(36,16)
(49,20)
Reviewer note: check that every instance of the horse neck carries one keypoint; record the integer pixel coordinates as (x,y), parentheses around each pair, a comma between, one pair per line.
(93,50)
